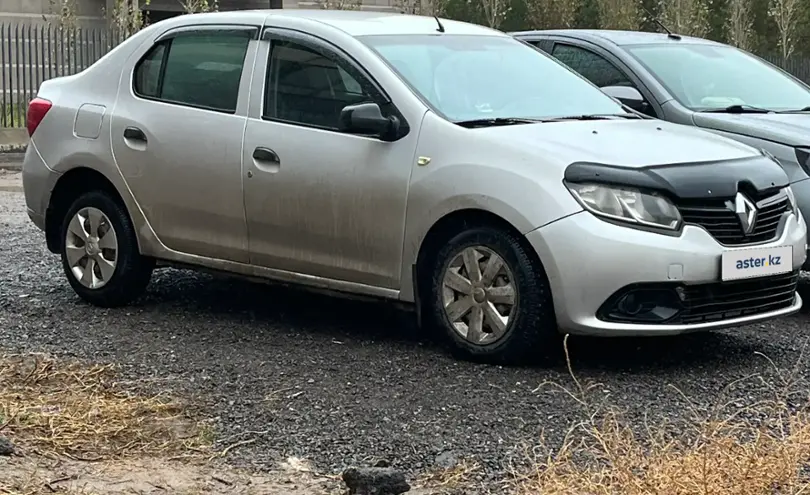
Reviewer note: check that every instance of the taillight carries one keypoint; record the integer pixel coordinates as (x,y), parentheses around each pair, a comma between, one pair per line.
(37,109)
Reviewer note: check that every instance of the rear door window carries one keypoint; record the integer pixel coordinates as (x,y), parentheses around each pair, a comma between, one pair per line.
(199,69)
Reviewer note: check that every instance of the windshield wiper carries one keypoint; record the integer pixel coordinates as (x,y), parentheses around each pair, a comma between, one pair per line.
(795,110)
(494,121)
(738,109)
(512,121)
(600,116)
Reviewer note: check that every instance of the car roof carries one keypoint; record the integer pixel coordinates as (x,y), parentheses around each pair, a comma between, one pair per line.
(352,22)
(619,38)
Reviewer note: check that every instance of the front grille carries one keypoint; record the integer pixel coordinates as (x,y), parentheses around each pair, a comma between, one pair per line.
(724,300)
(722,223)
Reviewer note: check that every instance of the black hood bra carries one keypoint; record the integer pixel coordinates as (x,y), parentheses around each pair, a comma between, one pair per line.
(757,176)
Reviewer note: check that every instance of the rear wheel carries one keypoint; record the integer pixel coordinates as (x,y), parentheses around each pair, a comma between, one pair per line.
(491,299)
(100,252)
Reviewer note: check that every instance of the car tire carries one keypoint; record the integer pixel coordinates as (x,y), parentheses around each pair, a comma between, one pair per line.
(100,252)
(530,325)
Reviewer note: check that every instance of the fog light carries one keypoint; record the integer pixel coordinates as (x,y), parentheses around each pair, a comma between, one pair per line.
(648,305)
(629,304)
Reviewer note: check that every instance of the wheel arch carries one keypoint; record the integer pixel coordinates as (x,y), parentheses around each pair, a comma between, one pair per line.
(442,230)
(68,188)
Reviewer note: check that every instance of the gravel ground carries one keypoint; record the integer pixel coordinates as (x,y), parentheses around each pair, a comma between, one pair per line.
(338,382)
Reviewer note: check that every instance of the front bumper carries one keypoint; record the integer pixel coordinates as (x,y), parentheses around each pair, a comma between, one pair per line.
(588,260)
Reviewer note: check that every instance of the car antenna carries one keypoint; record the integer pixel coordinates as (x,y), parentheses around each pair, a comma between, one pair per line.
(440,28)
(661,25)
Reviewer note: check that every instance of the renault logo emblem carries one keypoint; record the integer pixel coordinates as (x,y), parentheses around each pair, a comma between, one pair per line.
(746,211)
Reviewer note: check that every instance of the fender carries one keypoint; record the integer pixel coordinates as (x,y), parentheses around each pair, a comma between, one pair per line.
(530,209)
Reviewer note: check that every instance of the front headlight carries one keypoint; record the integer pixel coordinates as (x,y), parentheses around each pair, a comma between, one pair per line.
(627,205)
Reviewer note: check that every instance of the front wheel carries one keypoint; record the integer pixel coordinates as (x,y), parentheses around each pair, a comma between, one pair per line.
(100,253)
(491,298)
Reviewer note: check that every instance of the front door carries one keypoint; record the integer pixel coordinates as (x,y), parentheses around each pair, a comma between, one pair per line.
(600,71)
(320,202)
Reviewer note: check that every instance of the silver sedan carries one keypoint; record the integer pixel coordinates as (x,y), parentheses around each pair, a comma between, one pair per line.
(440,164)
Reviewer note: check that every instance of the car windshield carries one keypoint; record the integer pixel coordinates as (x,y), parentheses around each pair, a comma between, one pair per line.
(706,77)
(489,77)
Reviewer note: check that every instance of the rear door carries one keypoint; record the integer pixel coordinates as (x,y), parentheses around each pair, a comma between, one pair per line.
(176,136)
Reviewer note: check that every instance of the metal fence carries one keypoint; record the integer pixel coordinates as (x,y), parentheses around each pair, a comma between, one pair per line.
(798,66)
(31,54)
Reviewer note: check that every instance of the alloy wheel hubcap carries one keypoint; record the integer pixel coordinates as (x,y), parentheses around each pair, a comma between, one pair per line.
(91,248)
(479,295)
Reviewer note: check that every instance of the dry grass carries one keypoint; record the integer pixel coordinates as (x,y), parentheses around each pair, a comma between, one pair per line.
(449,480)
(79,432)
(70,409)
(31,484)
(747,449)
(12,115)
(77,411)
(149,476)
(716,464)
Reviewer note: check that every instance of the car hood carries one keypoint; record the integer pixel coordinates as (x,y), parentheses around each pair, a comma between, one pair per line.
(628,143)
(791,129)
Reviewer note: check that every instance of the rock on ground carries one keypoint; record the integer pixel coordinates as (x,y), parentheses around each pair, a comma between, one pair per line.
(6,447)
(375,481)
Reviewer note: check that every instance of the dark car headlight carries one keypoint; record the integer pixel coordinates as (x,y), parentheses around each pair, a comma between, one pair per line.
(627,205)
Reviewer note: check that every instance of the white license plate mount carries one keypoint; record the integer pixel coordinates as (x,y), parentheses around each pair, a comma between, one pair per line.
(756,262)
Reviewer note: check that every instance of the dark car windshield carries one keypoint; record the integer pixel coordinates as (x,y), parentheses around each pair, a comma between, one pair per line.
(705,77)
(467,77)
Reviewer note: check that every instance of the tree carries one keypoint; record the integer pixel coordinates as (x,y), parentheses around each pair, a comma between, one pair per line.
(495,11)
(339,4)
(687,17)
(619,14)
(199,6)
(66,11)
(552,14)
(740,23)
(126,17)
(422,7)
(785,14)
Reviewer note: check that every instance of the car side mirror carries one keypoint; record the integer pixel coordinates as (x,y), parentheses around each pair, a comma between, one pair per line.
(628,96)
(367,118)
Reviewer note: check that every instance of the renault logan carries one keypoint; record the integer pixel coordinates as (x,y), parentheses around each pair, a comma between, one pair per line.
(417,159)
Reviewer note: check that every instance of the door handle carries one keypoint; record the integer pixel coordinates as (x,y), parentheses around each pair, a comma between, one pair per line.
(135,134)
(265,155)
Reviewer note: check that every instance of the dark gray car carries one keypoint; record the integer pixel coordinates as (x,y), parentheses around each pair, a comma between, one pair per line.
(696,82)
